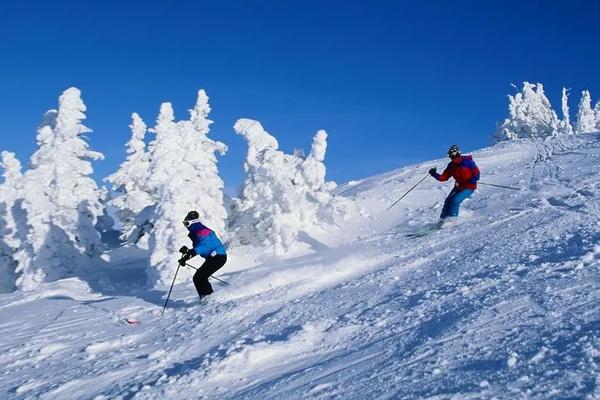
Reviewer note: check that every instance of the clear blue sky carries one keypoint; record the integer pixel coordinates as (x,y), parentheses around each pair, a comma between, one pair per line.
(393,82)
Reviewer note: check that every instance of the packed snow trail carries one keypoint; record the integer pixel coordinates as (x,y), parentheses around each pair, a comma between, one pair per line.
(505,303)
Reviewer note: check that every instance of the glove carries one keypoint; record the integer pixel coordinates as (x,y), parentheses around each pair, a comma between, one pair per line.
(433,171)
(191,253)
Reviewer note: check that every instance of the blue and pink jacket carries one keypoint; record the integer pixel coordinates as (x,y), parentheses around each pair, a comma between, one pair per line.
(205,241)
(464,170)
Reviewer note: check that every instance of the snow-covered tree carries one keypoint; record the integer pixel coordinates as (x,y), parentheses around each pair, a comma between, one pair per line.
(9,238)
(268,197)
(313,172)
(61,200)
(530,115)
(597,115)
(565,126)
(586,119)
(131,182)
(184,176)
(282,194)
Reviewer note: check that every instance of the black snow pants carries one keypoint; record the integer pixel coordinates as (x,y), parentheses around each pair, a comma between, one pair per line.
(211,265)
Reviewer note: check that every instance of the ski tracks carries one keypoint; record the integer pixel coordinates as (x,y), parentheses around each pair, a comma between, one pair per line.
(504,304)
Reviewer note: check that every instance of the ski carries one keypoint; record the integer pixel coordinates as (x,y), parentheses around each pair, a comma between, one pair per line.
(419,234)
(424,230)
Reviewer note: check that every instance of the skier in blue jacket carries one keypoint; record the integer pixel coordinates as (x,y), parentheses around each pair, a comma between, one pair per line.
(207,245)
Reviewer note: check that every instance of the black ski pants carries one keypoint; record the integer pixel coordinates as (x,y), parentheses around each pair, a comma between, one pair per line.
(211,265)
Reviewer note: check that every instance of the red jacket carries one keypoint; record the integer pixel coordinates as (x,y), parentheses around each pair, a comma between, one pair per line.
(463,170)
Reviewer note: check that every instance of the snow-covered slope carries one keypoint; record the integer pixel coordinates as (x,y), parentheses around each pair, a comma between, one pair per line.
(503,304)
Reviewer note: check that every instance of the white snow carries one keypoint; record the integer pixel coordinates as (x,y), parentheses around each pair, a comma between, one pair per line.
(284,196)
(530,115)
(60,202)
(503,304)
(586,118)
(131,183)
(9,234)
(565,126)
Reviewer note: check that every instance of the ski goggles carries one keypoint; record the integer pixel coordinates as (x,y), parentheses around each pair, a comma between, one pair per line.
(189,222)
(453,154)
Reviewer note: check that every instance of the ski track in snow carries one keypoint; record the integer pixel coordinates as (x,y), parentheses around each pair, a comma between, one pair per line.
(505,303)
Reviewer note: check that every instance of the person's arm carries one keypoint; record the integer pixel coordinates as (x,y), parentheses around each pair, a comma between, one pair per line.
(474,174)
(444,176)
(186,254)
(475,177)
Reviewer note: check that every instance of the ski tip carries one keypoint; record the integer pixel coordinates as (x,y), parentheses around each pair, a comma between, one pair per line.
(132,321)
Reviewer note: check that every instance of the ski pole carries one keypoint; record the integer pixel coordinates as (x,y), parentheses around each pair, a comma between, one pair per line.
(212,276)
(220,280)
(169,295)
(410,190)
(500,186)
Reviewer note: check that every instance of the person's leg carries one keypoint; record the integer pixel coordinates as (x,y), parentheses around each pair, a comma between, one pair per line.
(447,204)
(458,198)
(216,263)
(201,283)
(210,266)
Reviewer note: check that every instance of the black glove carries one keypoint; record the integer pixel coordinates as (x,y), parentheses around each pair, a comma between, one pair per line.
(433,171)
(186,255)
(191,253)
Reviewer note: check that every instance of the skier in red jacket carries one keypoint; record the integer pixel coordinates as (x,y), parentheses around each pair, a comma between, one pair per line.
(465,173)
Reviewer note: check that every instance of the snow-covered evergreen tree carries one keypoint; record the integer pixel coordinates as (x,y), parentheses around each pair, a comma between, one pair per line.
(131,182)
(597,115)
(268,197)
(184,175)
(282,194)
(530,115)
(61,200)
(586,119)
(9,239)
(313,172)
(565,126)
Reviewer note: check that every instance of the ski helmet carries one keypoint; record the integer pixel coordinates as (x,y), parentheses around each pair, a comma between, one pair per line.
(453,151)
(191,217)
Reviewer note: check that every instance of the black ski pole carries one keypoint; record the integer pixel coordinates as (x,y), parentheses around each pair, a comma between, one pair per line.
(409,190)
(220,280)
(212,276)
(169,295)
(500,186)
